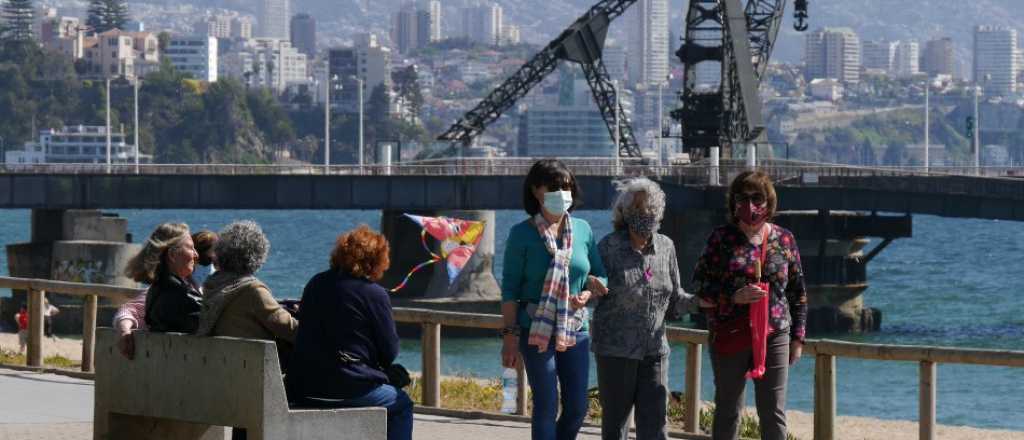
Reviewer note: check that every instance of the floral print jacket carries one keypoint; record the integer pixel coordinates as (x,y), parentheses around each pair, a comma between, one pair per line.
(727,264)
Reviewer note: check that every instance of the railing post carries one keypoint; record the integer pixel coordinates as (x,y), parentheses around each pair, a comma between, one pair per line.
(691,415)
(927,400)
(824,397)
(35,328)
(521,387)
(89,332)
(431,347)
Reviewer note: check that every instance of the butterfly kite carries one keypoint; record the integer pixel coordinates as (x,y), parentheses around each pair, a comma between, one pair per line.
(459,239)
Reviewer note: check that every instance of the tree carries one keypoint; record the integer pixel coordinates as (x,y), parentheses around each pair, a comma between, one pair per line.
(17,21)
(105,15)
(407,88)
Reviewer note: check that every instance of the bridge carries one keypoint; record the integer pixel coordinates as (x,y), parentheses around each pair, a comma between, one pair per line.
(496,185)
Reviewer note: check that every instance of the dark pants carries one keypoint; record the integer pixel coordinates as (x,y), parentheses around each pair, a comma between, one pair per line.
(626,384)
(770,390)
(397,402)
(549,371)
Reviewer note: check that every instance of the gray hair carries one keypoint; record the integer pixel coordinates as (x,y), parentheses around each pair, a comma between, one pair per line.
(242,248)
(628,189)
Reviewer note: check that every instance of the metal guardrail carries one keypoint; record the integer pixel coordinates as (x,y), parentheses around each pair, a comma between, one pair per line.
(431,321)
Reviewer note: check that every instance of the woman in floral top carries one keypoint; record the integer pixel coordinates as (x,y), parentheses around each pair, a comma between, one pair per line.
(726,275)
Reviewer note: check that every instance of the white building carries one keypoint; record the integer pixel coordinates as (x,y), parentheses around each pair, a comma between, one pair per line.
(907,58)
(879,55)
(75,144)
(996,59)
(614,57)
(648,42)
(195,55)
(833,53)
(826,89)
(483,23)
(368,61)
(218,26)
(266,62)
(510,35)
(433,7)
(241,27)
(274,19)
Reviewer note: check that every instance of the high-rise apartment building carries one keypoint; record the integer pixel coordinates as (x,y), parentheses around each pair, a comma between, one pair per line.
(614,57)
(266,62)
(433,7)
(415,26)
(483,23)
(241,27)
(217,26)
(648,42)
(905,64)
(938,57)
(996,59)
(368,61)
(274,19)
(879,55)
(832,53)
(194,55)
(303,34)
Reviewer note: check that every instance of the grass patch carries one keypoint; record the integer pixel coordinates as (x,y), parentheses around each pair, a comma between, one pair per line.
(473,394)
(11,357)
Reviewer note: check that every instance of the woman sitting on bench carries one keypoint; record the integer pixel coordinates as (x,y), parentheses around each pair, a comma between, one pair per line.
(347,337)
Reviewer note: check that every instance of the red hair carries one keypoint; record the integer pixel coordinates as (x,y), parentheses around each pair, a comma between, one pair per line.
(361,252)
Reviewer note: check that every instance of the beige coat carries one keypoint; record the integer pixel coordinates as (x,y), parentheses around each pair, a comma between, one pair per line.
(254,313)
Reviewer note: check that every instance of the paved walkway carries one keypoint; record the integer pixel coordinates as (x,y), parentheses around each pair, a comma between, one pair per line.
(52,407)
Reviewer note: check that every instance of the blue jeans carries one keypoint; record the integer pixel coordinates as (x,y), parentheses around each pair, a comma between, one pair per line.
(546,371)
(397,402)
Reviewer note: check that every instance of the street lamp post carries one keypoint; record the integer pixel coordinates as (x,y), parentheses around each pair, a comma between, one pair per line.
(977,133)
(136,116)
(108,126)
(615,133)
(359,83)
(927,123)
(327,118)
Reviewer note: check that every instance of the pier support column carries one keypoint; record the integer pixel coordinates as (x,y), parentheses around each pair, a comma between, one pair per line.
(476,282)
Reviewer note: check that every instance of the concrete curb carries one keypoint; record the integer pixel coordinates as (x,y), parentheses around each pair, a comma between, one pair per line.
(51,370)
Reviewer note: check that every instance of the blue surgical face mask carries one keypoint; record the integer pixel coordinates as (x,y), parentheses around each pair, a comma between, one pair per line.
(557,202)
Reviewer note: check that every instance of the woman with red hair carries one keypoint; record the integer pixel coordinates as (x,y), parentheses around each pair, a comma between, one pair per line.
(347,337)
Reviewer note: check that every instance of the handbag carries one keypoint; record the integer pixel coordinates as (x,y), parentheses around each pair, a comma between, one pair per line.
(398,376)
(735,335)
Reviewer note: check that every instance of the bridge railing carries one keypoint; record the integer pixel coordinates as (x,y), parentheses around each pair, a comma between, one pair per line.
(824,351)
(693,173)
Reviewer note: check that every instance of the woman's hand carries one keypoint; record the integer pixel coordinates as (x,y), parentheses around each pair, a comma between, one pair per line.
(579,301)
(748,294)
(595,285)
(796,349)
(509,351)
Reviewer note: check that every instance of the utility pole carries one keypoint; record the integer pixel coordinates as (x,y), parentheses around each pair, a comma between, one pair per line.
(108,126)
(327,118)
(615,137)
(661,126)
(977,132)
(359,82)
(927,123)
(137,125)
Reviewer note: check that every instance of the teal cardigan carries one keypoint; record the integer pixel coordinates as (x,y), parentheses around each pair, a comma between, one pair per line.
(527,260)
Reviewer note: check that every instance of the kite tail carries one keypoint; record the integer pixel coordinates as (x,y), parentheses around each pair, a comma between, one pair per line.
(411,272)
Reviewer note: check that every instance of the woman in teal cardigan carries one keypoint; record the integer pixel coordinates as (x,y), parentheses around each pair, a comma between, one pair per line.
(551,265)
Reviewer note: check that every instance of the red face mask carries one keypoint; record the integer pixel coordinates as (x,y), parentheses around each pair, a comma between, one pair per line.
(751,214)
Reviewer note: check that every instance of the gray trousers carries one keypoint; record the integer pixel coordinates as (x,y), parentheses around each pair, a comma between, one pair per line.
(770,390)
(627,383)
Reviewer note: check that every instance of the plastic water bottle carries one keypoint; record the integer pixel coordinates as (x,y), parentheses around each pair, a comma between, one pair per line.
(509,389)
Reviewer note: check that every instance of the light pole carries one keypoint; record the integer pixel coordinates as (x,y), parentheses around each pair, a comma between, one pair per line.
(359,83)
(661,126)
(615,133)
(977,132)
(108,126)
(328,83)
(136,99)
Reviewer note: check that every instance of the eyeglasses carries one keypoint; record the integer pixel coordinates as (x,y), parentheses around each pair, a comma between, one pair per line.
(755,197)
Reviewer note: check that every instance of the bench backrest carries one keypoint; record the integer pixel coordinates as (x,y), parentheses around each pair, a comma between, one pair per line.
(210,380)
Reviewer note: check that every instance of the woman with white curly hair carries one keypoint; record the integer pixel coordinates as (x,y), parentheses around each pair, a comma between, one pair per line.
(628,328)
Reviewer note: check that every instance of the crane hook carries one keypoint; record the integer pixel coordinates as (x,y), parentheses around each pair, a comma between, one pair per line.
(800,15)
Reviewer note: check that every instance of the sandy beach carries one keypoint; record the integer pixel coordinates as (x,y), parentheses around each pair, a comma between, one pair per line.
(801,423)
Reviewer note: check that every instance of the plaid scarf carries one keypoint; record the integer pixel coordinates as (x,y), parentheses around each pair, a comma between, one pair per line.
(552,316)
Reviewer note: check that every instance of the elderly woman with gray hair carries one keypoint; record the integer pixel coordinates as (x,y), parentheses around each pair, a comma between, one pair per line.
(628,331)
(236,302)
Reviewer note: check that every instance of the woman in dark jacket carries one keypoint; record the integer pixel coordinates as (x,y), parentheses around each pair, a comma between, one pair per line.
(347,337)
(165,263)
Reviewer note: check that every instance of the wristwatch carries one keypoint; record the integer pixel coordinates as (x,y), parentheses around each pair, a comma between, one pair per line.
(510,331)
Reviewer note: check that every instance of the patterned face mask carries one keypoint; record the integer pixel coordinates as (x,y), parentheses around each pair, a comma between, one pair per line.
(642,223)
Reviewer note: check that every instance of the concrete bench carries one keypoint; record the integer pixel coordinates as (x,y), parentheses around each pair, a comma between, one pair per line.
(187,387)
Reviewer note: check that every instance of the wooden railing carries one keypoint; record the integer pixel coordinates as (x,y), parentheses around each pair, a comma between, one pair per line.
(90,293)
(825,353)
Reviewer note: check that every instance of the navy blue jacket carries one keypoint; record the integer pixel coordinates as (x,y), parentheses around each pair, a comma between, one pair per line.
(341,313)
(173,304)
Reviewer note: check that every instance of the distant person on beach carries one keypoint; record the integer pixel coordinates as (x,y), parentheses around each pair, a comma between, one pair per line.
(205,242)
(236,303)
(628,328)
(750,271)
(22,319)
(166,262)
(347,337)
(49,311)
(549,259)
